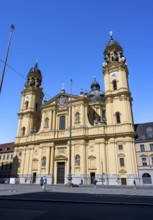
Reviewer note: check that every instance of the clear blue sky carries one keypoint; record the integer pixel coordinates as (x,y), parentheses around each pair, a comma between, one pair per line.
(68,38)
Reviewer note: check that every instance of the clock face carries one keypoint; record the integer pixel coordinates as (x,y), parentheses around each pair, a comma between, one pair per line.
(113,75)
(62,101)
(27,97)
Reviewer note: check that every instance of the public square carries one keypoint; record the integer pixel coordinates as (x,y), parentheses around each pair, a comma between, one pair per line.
(84,202)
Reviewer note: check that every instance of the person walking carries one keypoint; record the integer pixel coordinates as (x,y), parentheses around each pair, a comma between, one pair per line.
(41,182)
(44,183)
(95,182)
(134,183)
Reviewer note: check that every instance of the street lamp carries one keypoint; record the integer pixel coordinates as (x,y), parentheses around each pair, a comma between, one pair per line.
(7,52)
(70,138)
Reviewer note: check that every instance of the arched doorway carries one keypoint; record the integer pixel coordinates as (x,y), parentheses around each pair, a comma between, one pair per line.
(146,178)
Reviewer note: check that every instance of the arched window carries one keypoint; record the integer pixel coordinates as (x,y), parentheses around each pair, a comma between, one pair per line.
(27,104)
(43,162)
(36,107)
(77,160)
(23,131)
(122,163)
(114,85)
(77,117)
(46,122)
(118,120)
(62,122)
(146,178)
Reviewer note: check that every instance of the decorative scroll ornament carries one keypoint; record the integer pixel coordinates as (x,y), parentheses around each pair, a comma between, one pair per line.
(62,101)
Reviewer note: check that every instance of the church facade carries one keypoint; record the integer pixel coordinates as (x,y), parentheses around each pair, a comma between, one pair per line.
(78,138)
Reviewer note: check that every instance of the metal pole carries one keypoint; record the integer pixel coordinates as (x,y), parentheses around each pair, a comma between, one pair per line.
(70,138)
(7,52)
(102,171)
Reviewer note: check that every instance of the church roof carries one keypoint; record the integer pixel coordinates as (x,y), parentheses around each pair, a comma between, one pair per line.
(112,44)
(95,94)
(35,69)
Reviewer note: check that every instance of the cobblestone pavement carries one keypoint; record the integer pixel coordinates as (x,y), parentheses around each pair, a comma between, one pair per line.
(13,189)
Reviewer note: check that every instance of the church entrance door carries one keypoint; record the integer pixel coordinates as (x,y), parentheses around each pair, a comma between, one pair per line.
(60,173)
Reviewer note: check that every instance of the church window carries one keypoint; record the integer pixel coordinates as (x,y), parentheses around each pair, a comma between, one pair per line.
(120,147)
(118,120)
(103,114)
(23,131)
(43,162)
(36,107)
(121,162)
(62,122)
(27,104)
(114,85)
(77,117)
(77,160)
(46,122)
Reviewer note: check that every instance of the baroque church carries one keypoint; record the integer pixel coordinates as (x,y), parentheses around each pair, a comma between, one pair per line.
(75,139)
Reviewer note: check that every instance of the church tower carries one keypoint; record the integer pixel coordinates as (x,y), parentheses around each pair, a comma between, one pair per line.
(120,148)
(30,112)
(117,94)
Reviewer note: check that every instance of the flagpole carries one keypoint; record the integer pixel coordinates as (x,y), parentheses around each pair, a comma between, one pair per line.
(7,52)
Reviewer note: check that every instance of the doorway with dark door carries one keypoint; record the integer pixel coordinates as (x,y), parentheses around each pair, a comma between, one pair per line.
(60,172)
(34,177)
(123,181)
(92,178)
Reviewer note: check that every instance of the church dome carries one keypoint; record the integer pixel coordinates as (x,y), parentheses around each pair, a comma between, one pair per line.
(95,94)
(95,85)
(34,77)
(112,45)
(35,69)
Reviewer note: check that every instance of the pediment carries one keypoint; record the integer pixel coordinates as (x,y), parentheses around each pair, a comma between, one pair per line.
(122,171)
(143,155)
(61,100)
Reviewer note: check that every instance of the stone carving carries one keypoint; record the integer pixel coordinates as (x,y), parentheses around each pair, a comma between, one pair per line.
(62,101)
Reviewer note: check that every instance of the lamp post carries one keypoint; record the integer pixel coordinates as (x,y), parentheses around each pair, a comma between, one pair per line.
(7,52)
(70,138)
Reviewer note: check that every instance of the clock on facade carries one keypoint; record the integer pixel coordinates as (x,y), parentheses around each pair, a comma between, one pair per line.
(62,101)
(27,97)
(113,74)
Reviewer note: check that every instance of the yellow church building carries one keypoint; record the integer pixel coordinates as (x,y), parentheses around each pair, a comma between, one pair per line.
(78,138)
